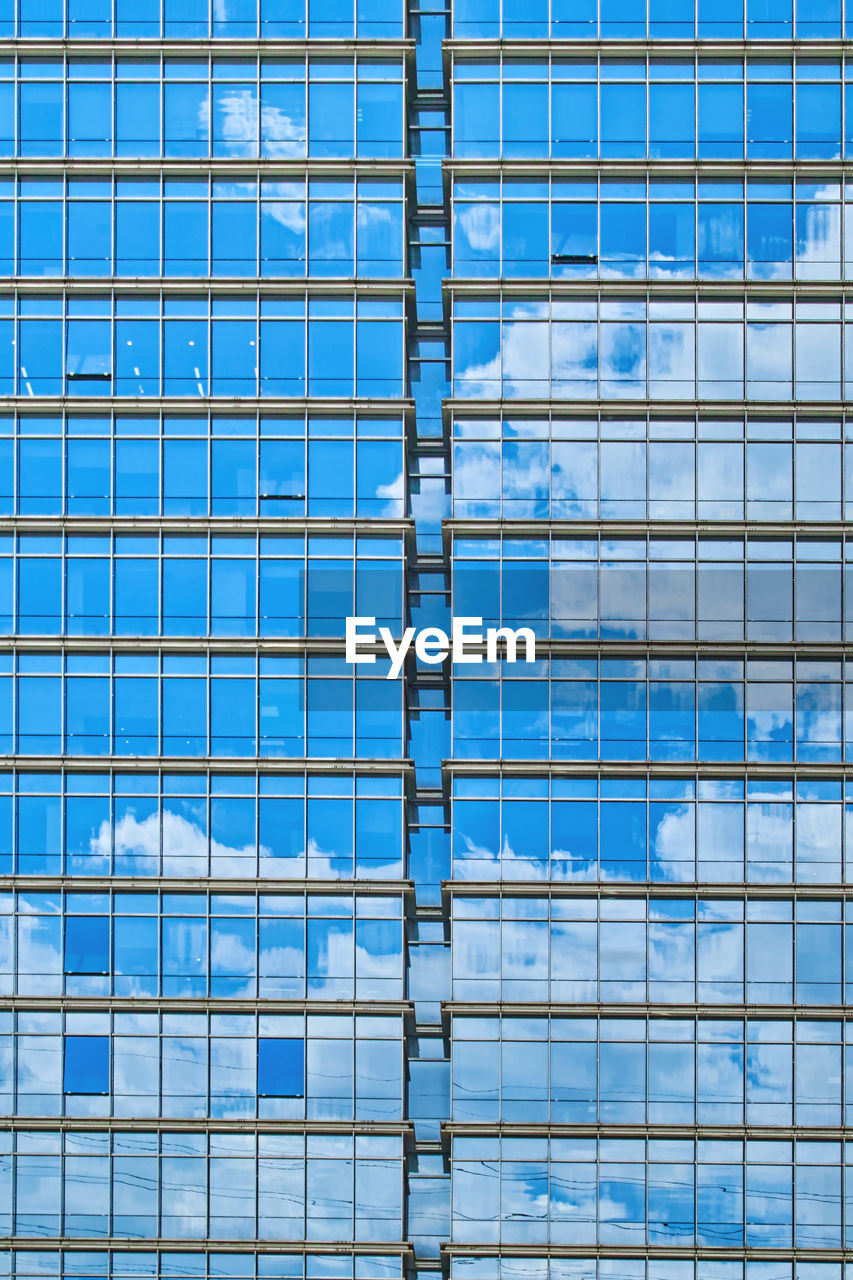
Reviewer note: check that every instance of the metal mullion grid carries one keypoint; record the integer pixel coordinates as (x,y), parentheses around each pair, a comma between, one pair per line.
(160,733)
(161,112)
(208,218)
(748,888)
(208,454)
(208,381)
(305,301)
(161,375)
(843,85)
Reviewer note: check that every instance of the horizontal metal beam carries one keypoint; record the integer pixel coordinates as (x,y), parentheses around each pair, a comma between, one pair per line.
(594,407)
(515,1129)
(623,47)
(267,406)
(159,1244)
(231,166)
(644,1009)
(203,1124)
(222,286)
(202,524)
(735,649)
(144,47)
(678,290)
(657,166)
(199,1004)
(294,646)
(680,528)
(646,1251)
(330,646)
(642,768)
(202,884)
(267,765)
(644,889)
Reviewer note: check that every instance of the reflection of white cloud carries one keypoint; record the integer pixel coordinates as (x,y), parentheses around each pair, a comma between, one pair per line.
(376,218)
(525,352)
(721,353)
(769,829)
(720,471)
(230,954)
(508,854)
(524,949)
(481,381)
(768,348)
(184,843)
(237,112)
(39,1064)
(523,1196)
(526,472)
(720,1072)
(666,265)
(671,952)
(478,851)
(574,470)
(335,955)
(573,950)
(6,944)
(136,1061)
(576,871)
(764,725)
(288,213)
(623,470)
(481,226)
(573,1196)
(282,962)
(623,351)
(671,352)
(392,493)
(331,232)
(673,836)
(818,726)
(818,359)
(574,351)
(819,831)
(476,470)
(673,844)
(321,860)
(525,355)
(38,945)
(818,241)
(767,1083)
(476,949)
(720,949)
(377,965)
(282,133)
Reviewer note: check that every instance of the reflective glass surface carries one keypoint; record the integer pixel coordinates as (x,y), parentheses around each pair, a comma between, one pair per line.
(401,964)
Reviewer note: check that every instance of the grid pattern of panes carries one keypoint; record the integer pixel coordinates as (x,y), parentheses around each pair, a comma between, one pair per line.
(647,867)
(203,1003)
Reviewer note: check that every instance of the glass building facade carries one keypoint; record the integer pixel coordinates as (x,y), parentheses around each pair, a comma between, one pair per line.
(538,311)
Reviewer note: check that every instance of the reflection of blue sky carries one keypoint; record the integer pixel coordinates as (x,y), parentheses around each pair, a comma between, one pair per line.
(676,950)
(578,1200)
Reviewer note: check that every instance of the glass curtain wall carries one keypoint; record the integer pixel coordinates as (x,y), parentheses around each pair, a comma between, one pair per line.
(530,312)
(647,893)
